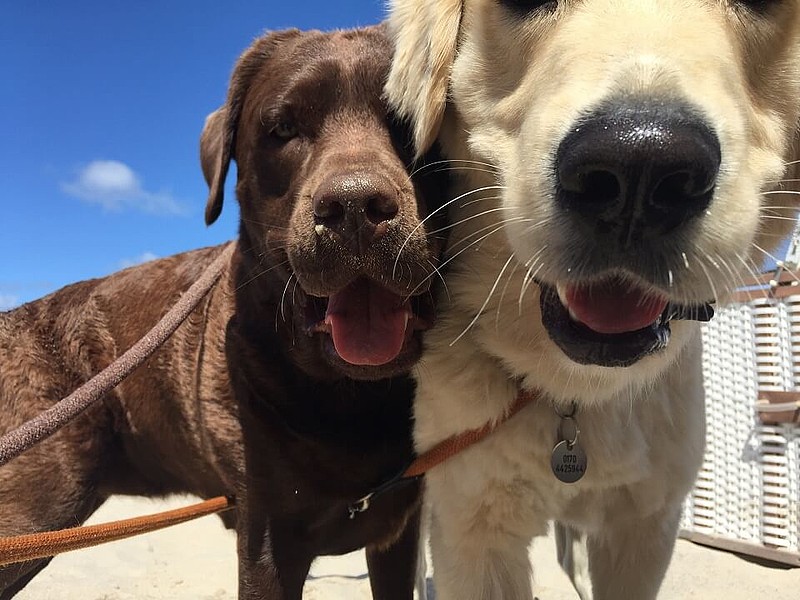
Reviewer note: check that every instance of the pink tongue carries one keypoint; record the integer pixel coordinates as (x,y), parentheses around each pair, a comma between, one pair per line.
(614,306)
(368,323)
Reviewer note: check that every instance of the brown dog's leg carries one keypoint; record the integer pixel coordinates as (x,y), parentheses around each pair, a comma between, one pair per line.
(393,569)
(272,564)
(51,486)
(267,578)
(20,574)
(55,505)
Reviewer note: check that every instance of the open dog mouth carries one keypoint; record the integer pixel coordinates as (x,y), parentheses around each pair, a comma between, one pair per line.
(611,322)
(368,324)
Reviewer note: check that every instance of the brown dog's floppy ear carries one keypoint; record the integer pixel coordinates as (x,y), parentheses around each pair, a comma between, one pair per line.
(215,157)
(425,34)
(218,139)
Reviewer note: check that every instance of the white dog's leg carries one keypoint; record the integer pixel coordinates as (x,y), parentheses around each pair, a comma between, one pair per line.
(474,558)
(573,556)
(629,558)
(421,583)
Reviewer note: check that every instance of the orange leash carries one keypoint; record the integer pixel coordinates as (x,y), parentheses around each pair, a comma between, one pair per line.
(22,548)
(49,543)
(453,445)
(441,452)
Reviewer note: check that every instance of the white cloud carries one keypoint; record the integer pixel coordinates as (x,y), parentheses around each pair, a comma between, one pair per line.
(8,301)
(137,260)
(115,186)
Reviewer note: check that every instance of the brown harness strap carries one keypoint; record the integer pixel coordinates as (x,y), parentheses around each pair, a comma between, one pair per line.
(49,543)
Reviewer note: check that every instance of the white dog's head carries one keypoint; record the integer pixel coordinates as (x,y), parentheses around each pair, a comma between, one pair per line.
(643,140)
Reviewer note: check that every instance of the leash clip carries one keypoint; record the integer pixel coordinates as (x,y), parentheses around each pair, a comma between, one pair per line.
(362,504)
(359,506)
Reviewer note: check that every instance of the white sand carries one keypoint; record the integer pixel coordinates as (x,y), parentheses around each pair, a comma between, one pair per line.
(197,561)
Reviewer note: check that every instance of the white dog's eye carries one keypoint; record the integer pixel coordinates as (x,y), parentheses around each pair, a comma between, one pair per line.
(757,6)
(284,130)
(527,6)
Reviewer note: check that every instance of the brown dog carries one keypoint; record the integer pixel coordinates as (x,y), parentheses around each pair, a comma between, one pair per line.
(287,385)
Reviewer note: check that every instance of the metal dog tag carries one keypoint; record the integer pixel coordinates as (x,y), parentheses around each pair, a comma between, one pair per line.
(568,462)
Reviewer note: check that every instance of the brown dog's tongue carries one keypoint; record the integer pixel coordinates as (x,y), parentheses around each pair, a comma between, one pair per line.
(613,306)
(368,323)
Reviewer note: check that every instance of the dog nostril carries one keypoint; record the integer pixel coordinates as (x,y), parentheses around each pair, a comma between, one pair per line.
(602,187)
(328,211)
(381,208)
(588,189)
(673,188)
(355,208)
(683,189)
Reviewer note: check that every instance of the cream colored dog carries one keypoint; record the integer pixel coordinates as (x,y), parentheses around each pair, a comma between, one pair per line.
(623,163)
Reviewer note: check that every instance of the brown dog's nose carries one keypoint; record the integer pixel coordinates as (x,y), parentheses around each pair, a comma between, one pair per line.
(356,207)
(638,169)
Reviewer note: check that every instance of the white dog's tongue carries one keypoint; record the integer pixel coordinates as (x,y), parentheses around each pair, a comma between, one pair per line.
(368,323)
(613,306)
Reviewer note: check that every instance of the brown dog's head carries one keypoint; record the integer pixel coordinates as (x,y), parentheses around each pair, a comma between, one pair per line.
(332,234)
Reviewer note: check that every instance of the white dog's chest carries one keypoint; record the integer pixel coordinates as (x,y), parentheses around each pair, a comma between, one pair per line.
(519,456)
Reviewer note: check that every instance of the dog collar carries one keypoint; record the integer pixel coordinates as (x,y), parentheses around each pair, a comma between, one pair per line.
(441,452)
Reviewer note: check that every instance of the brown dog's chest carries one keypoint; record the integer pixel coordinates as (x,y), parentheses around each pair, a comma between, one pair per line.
(313,448)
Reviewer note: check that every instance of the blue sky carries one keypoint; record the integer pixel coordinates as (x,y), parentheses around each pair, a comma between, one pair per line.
(101,112)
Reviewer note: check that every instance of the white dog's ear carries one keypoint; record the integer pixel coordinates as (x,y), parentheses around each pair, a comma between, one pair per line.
(425,34)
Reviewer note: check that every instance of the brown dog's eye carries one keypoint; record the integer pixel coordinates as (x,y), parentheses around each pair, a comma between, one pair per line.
(284,130)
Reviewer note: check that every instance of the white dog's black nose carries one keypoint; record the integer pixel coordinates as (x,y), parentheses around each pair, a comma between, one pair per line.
(638,170)
(356,207)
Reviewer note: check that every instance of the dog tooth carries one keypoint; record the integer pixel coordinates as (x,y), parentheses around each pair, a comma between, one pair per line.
(561,288)
(319,229)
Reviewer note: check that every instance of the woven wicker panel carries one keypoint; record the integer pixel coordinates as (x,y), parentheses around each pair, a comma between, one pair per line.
(748,488)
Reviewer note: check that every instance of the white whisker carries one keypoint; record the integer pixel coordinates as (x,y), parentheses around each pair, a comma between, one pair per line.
(503,295)
(710,280)
(765,253)
(490,168)
(283,296)
(441,277)
(465,219)
(422,222)
(260,273)
(530,275)
(502,223)
(485,302)
(770,192)
(467,247)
